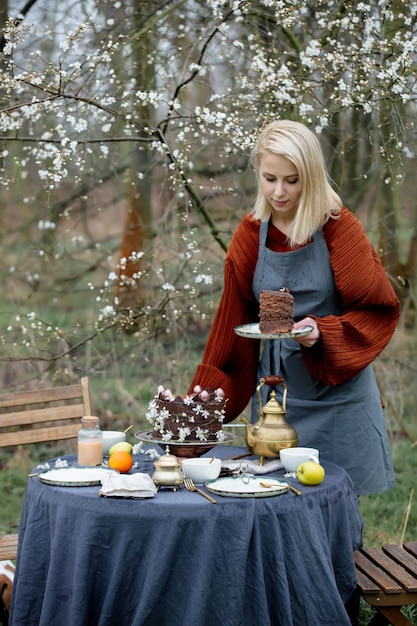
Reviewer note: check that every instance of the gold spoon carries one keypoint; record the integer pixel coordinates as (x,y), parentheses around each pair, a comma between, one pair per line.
(290,487)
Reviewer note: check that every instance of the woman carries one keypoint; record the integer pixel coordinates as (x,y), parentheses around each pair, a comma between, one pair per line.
(299,235)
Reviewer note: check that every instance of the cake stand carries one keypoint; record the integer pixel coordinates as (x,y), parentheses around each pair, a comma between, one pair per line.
(252,332)
(188,450)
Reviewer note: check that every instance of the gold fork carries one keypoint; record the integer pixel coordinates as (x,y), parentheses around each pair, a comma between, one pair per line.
(190,486)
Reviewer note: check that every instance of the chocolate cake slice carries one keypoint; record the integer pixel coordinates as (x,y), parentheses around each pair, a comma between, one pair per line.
(276,314)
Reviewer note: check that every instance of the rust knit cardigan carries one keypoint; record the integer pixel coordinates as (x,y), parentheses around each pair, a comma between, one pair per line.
(348,343)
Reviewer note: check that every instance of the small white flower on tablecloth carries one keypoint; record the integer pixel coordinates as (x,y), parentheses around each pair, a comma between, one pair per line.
(61,463)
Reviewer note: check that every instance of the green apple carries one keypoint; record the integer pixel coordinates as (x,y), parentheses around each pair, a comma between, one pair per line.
(310,473)
(122,446)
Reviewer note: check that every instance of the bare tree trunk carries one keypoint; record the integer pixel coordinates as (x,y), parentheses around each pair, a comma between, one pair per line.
(138,223)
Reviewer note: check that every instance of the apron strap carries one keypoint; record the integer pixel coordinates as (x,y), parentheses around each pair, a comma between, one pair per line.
(263,233)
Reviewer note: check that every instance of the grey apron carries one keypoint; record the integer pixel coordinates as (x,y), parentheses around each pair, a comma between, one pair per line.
(345,422)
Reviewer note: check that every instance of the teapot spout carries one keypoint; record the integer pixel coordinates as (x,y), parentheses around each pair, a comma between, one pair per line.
(250,438)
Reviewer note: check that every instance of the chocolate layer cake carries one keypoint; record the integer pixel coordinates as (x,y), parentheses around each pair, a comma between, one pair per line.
(276,313)
(197,417)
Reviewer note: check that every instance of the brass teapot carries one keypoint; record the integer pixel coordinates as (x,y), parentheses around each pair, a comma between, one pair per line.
(168,472)
(271,433)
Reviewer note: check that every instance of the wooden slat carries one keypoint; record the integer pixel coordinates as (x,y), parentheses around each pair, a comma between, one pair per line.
(85,384)
(54,433)
(40,396)
(378,600)
(411,548)
(8,547)
(46,414)
(366,584)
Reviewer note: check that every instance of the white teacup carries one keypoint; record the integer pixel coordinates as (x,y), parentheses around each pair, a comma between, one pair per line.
(293,457)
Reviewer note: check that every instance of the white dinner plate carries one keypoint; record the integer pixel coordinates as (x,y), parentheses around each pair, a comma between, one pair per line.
(236,487)
(252,332)
(75,476)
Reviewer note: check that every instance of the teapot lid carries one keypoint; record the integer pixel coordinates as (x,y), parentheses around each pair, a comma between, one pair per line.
(168,459)
(272,406)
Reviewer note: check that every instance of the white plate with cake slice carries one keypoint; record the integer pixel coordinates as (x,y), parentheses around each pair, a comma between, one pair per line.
(252,332)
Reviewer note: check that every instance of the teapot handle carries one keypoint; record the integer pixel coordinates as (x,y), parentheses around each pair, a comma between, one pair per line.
(272,380)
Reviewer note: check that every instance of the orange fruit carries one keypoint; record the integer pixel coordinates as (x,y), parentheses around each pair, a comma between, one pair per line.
(121,461)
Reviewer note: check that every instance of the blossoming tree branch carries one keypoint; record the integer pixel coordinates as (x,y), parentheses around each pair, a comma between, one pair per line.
(124,153)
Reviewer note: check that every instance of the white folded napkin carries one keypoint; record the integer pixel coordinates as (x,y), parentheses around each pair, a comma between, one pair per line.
(127,486)
(253,467)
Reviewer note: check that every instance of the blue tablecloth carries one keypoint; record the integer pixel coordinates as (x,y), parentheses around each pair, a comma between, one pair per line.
(179,560)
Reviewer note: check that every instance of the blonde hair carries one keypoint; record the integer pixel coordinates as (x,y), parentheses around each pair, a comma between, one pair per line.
(318,201)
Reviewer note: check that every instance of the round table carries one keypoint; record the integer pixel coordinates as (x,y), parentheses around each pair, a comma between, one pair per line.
(179,560)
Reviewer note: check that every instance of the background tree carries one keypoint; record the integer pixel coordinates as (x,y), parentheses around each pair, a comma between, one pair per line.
(150,110)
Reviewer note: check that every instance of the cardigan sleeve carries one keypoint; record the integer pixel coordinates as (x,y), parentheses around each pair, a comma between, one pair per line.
(351,341)
(230,361)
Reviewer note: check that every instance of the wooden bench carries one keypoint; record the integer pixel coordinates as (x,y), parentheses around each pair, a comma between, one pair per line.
(387,580)
(40,415)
